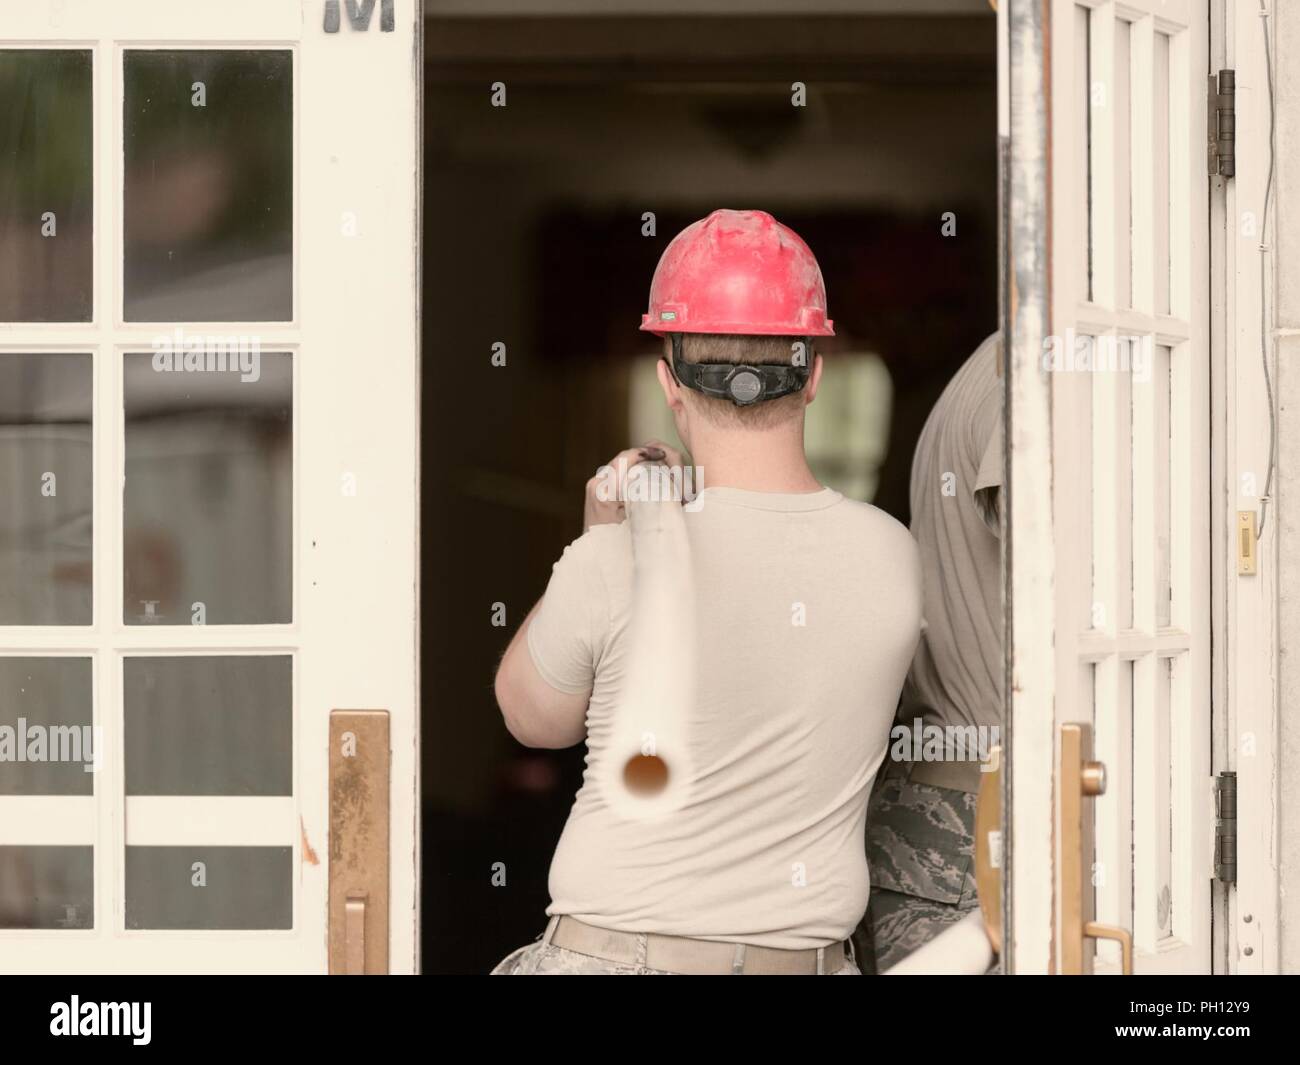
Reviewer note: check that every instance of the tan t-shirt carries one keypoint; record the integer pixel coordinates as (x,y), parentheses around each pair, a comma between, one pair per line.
(808,611)
(956,679)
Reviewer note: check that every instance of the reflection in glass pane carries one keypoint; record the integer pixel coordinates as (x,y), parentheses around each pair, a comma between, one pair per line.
(46,479)
(47,744)
(209,887)
(208,521)
(209,725)
(209,185)
(47,887)
(46,185)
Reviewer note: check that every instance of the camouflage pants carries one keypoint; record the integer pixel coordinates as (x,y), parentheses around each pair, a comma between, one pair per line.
(545,959)
(921,850)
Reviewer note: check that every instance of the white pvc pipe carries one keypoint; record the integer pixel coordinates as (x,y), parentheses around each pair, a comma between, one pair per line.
(650,714)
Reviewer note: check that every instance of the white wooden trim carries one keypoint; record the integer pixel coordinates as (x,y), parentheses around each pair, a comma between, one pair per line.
(47,820)
(1220,314)
(1251,622)
(211,820)
(1028,517)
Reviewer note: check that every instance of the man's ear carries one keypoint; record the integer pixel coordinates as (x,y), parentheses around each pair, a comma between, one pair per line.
(672,390)
(814,379)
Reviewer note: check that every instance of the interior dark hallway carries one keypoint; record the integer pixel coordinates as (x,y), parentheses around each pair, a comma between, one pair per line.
(533,236)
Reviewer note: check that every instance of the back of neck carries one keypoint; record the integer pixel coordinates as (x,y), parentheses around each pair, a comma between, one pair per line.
(766,460)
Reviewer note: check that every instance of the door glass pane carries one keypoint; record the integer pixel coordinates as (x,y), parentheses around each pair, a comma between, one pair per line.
(208,185)
(46,148)
(209,483)
(47,743)
(1165,797)
(1083,119)
(209,725)
(1123,104)
(1166,451)
(1160,156)
(47,887)
(1125,488)
(46,478)
(209,887)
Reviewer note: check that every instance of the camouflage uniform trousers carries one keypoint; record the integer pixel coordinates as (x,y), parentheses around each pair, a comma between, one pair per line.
(546,959)
(921,851)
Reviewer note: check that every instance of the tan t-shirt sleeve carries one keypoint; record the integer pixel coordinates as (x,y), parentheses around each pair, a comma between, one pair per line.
(569,631)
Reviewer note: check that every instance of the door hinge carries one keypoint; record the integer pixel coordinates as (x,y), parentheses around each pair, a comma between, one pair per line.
(1225,827)
(1222,123)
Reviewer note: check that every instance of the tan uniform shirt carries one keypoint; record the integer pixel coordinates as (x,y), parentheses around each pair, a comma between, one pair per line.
(808,612)
(956,678)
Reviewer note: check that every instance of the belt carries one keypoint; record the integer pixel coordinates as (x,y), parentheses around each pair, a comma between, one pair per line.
(959,776)
(691,957)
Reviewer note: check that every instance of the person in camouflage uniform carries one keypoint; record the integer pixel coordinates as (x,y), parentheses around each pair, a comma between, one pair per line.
(921,848)
(921,818)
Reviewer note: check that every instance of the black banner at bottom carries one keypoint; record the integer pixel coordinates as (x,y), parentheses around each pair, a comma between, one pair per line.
(335,1015)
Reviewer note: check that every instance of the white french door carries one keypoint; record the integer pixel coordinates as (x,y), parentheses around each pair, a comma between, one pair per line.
(208,477)
(1125,372)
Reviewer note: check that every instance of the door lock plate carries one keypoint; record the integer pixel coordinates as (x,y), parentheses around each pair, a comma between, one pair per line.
(359,772)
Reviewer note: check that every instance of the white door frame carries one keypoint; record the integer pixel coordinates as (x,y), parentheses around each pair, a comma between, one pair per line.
(1030,683)
(354,637)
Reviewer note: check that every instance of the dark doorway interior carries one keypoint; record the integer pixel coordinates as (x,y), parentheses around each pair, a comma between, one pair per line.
(533,238)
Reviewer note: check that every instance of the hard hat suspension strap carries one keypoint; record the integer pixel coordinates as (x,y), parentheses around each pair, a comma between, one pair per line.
(741,383)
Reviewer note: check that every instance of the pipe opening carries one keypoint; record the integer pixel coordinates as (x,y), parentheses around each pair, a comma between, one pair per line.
(645,774)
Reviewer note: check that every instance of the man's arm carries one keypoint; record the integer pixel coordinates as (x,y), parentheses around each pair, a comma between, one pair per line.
(537,714)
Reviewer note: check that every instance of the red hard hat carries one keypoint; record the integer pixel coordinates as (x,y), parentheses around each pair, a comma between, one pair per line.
(738,272)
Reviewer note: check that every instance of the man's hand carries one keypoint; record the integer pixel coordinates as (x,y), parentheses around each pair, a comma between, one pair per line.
(607,489)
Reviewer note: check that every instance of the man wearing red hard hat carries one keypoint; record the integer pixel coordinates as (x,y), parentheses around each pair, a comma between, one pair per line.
(804,612)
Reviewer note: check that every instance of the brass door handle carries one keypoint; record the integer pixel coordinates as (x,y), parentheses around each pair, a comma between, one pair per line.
(1122,936)
(1079,779)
